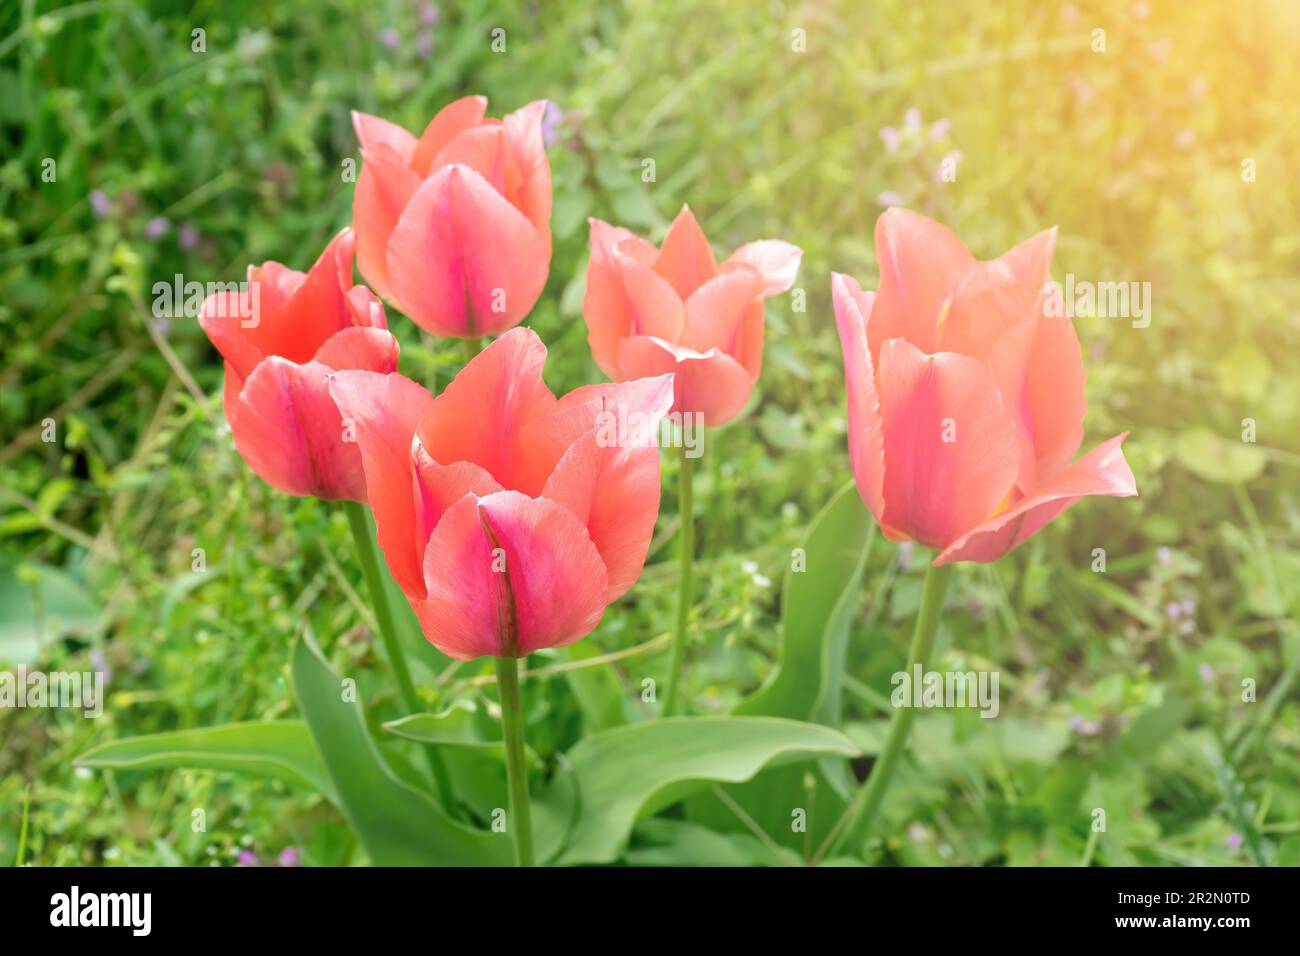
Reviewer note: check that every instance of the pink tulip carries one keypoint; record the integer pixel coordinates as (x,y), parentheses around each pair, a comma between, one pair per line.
(675,309)
(281,340)
(509,518)
(454,227)
(965,397)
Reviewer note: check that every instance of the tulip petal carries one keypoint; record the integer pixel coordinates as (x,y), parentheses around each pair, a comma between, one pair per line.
(288,430)
(853,308)
(462,261)
(712,383)
(950,448)
(1103,471)
(625,296)
(375,350)
(478,416)
(716,310)
(921,262)
(384,188)
(995,296)
(685,258)
(609,477)
(776,261)
(384,411)
(319,306)
(374,132)
(528,152)
(453,119)
(228,320)
(438,487)
(508,575)
(1039,368)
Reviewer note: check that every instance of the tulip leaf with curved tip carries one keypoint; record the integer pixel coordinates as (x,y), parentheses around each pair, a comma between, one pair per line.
(817,608)
(278,749)
(817,605)
(627,773)
(397,824)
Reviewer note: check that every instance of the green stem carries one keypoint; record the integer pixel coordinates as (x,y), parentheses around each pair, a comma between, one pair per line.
(855,825)
(686,557)
(512,727)
(472,347)
(384,616)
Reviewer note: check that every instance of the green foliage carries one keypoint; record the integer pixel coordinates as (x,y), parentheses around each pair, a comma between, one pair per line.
(1121,690)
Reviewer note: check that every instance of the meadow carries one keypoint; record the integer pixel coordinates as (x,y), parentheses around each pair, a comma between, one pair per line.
(1160,686)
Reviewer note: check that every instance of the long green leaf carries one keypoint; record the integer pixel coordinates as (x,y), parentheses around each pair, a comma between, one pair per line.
(626,773)
(397,824)
(279,749)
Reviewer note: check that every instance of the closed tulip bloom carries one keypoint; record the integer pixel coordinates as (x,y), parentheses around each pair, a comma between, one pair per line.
(509,517)
(281,339)
(676,309)
(965,394)
(454,227)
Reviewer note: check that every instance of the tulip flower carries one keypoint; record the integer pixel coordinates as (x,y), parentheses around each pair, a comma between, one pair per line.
(281,339)
(965,411)
(966,394)
(675,309)
(454,227)
(509,517)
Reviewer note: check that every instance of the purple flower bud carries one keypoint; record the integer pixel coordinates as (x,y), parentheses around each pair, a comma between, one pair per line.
(939,129)
(156,228)
(1234,841)
(889,198)
(429,14)
(1173,610)
(290,856)
(390,38)
(891,138)
(187,236)
(247,858)
(424,44)
(100,204)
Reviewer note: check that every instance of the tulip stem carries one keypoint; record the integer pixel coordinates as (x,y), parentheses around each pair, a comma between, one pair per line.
(855,824)
(472,347)
(685,582)
(361,536)
(512,727)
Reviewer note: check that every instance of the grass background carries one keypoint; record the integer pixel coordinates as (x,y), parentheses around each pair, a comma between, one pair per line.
(1120,690)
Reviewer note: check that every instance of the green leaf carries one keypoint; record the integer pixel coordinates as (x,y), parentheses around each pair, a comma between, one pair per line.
(817,605)
(397,824)
(627,773)
(279,749)
(817,608)
(1214,458)
(39,603)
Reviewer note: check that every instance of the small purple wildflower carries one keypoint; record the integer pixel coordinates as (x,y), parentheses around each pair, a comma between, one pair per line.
(889,198)
(424,44)
(156,228)
(100,204)
(939,129)
(551,121)
(187,236)
(1234,841)
(248,858)
(429,14)
(390,38)
(1164,555)
(891,138)
(1206,672)
(912,119)
(290,856)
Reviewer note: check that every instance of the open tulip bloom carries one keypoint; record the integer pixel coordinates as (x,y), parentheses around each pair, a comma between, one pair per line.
(676,309)
(965,410)
(454,227)
(508,516)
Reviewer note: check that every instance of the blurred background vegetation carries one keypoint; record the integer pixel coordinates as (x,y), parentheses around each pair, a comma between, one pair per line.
(1120,689)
